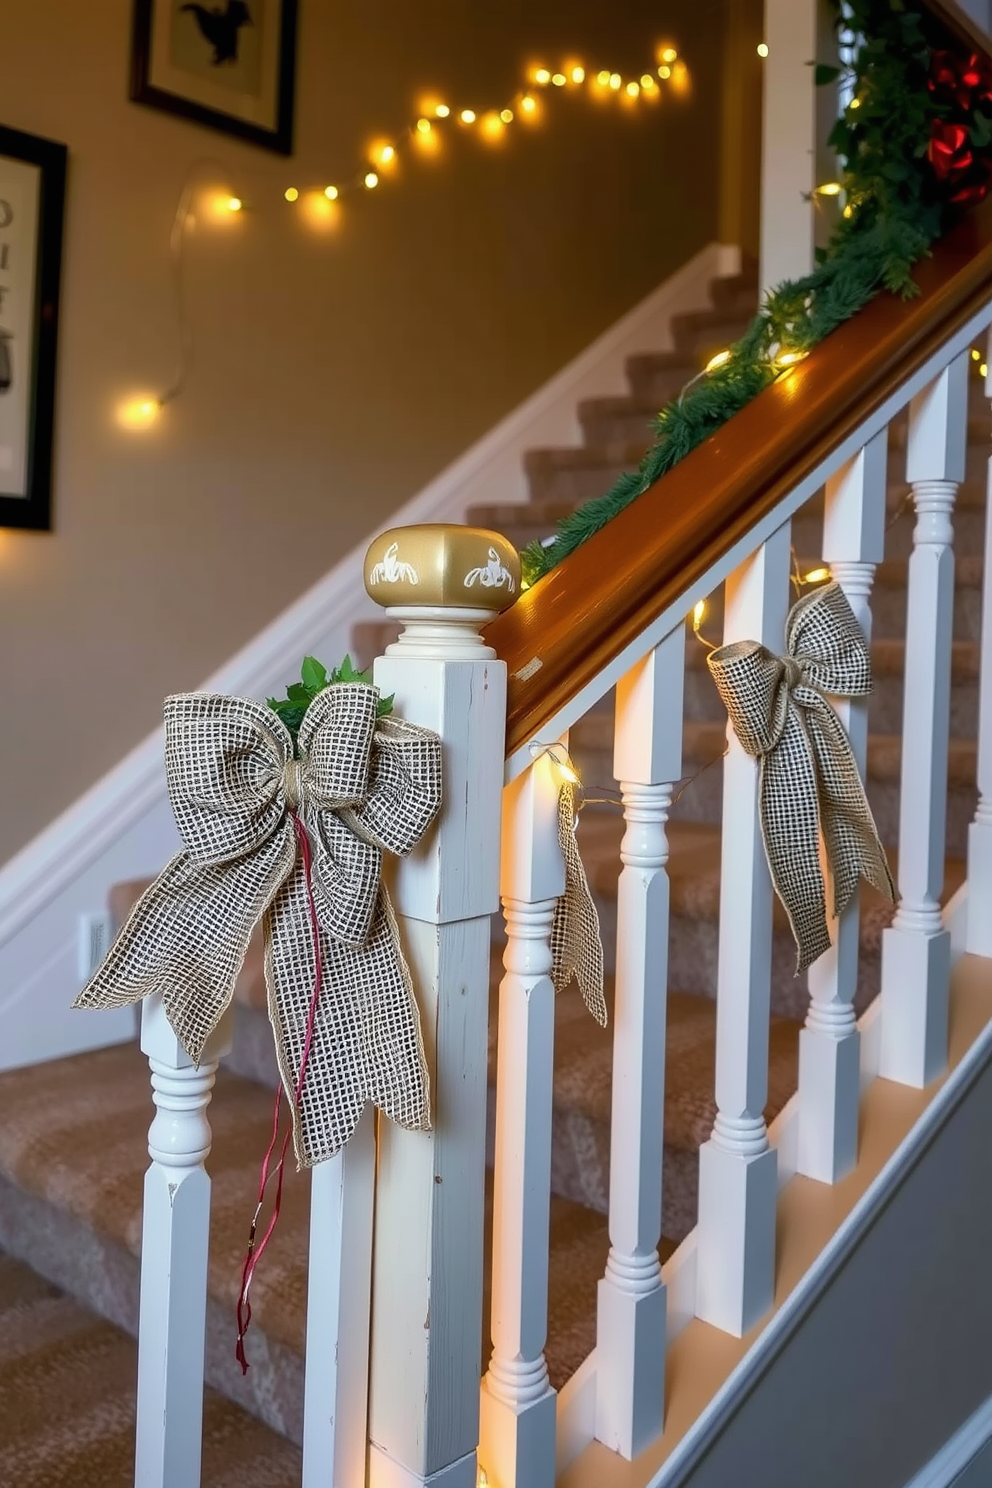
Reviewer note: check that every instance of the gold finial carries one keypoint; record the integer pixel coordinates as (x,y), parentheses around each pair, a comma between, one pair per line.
(441,565)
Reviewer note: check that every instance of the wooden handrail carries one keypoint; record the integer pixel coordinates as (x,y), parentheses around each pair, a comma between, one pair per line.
(560,634)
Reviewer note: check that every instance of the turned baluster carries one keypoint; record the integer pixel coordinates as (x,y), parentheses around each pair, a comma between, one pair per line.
(174,1248)
(737,1167)
(916,949)
(630,1331)
(829,1045)
(517,1443)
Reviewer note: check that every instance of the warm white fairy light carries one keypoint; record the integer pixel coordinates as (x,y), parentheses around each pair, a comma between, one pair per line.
(762,49)
(721,358)
(320,205)
(816,576)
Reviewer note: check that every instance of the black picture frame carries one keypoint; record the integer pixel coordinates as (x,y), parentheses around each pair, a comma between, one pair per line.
(30,276)
(277,136)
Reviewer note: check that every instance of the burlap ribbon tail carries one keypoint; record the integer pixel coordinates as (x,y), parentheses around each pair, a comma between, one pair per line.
(361,787)
(809,781)
(576,946)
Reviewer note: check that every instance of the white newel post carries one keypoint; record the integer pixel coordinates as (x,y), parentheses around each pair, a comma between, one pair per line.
(829,1045)
(426,1341)
(517,1442)
(916,950)
(335,1395)
(630,1323)
(979,935)
(175,1237)
(735,1267)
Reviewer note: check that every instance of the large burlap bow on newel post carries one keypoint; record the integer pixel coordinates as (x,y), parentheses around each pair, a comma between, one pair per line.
(294,838)
(809,781)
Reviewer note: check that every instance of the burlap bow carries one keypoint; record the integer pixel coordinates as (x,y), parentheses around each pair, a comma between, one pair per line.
(576,946)
(360,787)
(809,780)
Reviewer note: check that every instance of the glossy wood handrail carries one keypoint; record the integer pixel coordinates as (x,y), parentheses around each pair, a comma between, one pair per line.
(562,633)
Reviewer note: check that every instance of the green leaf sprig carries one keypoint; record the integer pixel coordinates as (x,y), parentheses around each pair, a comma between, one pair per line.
(314,678)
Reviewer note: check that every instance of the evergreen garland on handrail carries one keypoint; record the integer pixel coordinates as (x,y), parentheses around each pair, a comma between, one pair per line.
(914,142)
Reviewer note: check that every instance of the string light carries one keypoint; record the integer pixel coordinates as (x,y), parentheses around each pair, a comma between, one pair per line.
(138,412)
(321,204)
(816,576)
(698,612)
(560,758)
(829,188)
(983,370)
(720,360)
(763,52)
(976,356)
(790,358)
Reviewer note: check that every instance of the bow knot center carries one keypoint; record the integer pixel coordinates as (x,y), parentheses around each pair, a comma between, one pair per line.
(292,783)
(793,671)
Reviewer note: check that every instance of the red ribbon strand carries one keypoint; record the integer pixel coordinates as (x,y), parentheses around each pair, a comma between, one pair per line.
(254,1253)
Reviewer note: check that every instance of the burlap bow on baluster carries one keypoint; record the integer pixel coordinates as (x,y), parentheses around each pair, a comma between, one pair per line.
(576,946)
(362,786)
(809,780)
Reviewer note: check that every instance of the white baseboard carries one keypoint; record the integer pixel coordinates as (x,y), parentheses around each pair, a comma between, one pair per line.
(122,827)
(964,1460)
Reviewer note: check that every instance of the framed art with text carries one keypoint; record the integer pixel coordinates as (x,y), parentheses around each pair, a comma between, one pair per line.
(228,64)
(32,204)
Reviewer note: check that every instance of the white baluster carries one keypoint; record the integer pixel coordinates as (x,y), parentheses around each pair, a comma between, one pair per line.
(335,1398)
(517,1443)
(630,1327)
(737,1168)
(175,1230)
(430,1186)
(916,950)
(829,1045)
(979,935)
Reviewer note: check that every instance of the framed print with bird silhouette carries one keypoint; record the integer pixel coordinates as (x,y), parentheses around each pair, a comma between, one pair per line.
(226,64)
(32,203)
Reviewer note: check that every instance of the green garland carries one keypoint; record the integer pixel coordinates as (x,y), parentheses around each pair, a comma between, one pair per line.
(898,188)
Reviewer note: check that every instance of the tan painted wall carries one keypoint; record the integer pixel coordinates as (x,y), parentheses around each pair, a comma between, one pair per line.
(333,376)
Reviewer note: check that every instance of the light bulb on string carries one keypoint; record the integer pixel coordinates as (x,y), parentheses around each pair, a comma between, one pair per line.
(528,105)
(442,110)
(371,180)
(424,126)
(467,116)
(331,192)
(762,49)
(829,188)
(291,194)
(615,81)
(633,90)
(816,576)
(719,360)
(542,76)
(603,79)
(559,80)
(668,54)
(578,74)
(138,412)
(506,115)
(664,72)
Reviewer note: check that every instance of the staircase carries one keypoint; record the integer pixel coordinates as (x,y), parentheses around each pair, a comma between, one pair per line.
(72,1132)
(72,1207)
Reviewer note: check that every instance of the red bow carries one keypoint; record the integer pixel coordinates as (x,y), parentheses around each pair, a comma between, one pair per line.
(953,160)
(965,83)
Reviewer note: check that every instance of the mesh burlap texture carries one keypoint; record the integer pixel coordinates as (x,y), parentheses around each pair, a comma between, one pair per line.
(361,786)
(808,777)
(576,947)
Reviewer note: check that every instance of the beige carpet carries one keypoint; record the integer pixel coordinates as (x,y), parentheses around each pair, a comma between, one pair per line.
(67,1382)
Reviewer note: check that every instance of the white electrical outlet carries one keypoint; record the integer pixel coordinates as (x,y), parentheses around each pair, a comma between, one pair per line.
(94,937)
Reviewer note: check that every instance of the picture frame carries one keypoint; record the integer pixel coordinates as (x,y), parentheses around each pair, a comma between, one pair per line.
(32,210)
(228,64)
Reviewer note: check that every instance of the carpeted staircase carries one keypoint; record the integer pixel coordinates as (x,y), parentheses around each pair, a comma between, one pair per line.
(72,1133)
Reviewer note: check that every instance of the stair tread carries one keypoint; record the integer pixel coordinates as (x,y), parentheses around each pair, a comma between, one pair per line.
(73,1132)
(59,1354)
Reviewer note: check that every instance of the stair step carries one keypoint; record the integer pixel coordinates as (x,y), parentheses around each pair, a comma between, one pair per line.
(67,1401)
(574,475)
(700,334)
(694,874)
(73,1154)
